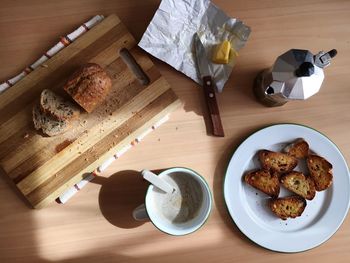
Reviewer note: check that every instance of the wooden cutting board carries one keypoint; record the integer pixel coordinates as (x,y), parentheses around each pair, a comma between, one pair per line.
(43,167)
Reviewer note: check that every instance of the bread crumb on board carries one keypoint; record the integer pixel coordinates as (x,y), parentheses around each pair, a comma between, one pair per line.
(26,136)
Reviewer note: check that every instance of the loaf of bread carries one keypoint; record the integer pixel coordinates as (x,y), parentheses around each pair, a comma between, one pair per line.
(277,162)
(320,171)
(264,181)
(89,86)
(57,107)
(300,184)
(48,124)
(288,207)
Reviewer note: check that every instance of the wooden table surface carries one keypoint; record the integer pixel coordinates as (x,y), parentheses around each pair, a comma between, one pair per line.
(96,225)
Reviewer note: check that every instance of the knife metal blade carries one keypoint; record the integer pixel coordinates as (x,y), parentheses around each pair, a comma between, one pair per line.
(203,65)
(201,57)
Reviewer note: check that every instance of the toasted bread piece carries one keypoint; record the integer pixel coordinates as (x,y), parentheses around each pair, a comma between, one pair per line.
(57,107)
(288,207)
(298,149)
(320,171)
(277,162)
(264,181)
(298,183)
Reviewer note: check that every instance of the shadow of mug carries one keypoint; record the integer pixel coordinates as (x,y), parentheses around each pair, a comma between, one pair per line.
(119,195)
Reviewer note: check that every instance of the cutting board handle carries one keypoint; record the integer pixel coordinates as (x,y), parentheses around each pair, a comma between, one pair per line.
(132,64)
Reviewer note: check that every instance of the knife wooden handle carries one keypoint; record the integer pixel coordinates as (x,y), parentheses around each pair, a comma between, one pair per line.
(213,108)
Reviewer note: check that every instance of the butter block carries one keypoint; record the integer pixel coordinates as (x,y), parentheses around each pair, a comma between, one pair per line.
(221,53)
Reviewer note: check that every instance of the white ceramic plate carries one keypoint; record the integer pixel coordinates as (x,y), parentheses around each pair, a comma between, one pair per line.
(248,207)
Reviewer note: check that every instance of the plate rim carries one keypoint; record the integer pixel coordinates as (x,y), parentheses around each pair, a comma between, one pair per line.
(225,177)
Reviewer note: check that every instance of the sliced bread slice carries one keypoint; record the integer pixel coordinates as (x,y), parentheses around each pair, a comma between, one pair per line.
(277,162)
(298,183)
(47,123)
(298,149)
(288,207)
(57,107)
(320,171)
(264,181)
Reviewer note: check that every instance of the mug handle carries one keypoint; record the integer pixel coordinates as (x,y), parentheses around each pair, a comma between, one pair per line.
(140,214)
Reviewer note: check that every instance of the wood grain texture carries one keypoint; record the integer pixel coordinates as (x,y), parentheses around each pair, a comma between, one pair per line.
(96,225)
(43,167)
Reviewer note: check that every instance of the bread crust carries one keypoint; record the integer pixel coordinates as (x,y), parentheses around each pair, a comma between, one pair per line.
(298,149)
(89,86)
(288,207)
(320,171)
(277,162)
(299,184)
(264,181)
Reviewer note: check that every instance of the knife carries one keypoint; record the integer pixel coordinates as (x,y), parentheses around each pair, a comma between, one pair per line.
(208,87)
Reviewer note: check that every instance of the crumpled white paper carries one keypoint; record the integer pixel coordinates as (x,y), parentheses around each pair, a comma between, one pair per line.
(169,36)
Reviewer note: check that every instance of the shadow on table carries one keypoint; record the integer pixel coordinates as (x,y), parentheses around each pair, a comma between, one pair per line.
(120,194)
(238,88)
(17,225)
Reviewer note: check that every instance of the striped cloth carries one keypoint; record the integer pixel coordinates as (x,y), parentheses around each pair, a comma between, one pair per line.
(65,41)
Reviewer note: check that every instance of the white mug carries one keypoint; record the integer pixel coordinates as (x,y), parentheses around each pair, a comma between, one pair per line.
(181,212)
